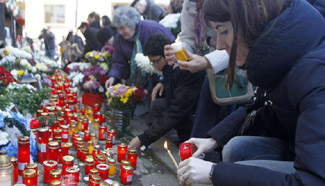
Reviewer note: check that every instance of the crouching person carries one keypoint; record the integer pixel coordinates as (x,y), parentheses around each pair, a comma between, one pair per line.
(181,89)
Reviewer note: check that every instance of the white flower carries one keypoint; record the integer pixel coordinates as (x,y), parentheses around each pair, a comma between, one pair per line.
(101,89)
(143,63)
(34,69)
(4,138)
(170,20)
(37,77)
(104,66)
(24,62)
(14,73)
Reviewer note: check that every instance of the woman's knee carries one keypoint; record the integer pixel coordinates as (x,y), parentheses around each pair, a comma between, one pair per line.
(235,149)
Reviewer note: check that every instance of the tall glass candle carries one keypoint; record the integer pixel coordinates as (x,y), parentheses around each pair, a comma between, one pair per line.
(89,164)
(109,142)
(65,148)
(93,138)
(127,175)
(32,166)
(65,133)
(85,125)
(6,169)
(132,155)
(14,162)
(23,153)
(73,171)
(42,141)
(90,147)
(68,161)
(124,163)
(55,175)
(185,151)
(102,133)
(103,171)
(112,167)
(112,133)
(53,151)
(30,177)
(96,123)
(87,136)
(121,152)
(47,167)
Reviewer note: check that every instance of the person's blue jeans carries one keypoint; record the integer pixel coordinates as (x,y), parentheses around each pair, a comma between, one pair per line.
(207,113)
(264,152)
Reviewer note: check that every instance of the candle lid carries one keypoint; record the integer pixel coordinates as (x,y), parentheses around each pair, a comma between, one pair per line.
(89,156)
(65,127)
(43,129)
(73,169)
(125,163)
(104,184)
(85,150)
(109,139)
(39,111)
(90,143)
(58,138)
(29,173)
(44,114)
(55,183)
(132,151)
(122,145)
(50,163)
(93,171)
(13,159)
(70,114)
(51,109)
(102,127)
(112,131)
(53,145)
(128,169)
(89,161)
(31,165)
(95,178)
(87,132)
(68,158)
(57,130)
(102,167)
(85,120)
(93,135)
(67,110)
(97,147)
(5,162)
(23,139)
(79,139)
(115,183)
(58,108)
(67,145)
(111,161)
(55,172)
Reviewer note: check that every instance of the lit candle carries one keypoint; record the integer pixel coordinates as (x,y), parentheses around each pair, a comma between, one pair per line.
(96,108)
(112,133)
(121,152)
(68,161)
(103,171)
(94,180)
(23,153)
(96,123)
(73,171)
(87,136)
(55,175)
(47,167)
(124,163)
(6,170)
(85,125)
(14,162)
(30,177)
(53,151)
(126,175)
(109,142)
(180,52)
(90,147)
(32,166)
(112,167)
(96,151)
(89,164)
(185,151)
(65,133)
(132,157)
(102,133)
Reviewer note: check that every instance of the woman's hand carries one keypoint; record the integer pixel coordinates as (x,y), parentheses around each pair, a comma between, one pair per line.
(135,143)
(202,145)
(196,64)
(170,55)
(109,82)
(158,88)
(194,170)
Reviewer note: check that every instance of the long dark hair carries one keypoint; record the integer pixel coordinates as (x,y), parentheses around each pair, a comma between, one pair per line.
(247,16)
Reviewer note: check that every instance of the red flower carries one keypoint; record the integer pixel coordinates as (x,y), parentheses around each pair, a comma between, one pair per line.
(139,93)
(67,70)
(103,79)
(86,79)
(5,76)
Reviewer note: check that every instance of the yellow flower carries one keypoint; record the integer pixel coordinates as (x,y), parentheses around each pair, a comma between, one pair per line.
(87,54)
(18,59)
(124,99)
(103,54)
(20,72)
(5,52)
(110,100)
(96,56)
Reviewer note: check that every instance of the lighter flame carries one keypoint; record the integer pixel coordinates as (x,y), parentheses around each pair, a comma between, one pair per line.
(166,145)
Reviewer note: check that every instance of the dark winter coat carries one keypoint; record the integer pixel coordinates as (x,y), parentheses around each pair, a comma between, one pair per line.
(182,90)
(153,11)
(123,48)
(289,62)
(91,40)
(49,40)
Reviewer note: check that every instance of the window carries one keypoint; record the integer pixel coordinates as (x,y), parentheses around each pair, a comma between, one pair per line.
(54,14)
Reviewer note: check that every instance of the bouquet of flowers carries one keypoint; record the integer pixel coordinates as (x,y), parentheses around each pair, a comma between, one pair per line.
(122,97)
(95,57)
(5,78)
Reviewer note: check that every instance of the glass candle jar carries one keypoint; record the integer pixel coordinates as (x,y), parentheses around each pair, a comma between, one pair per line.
(96,108)
(69,118)
(30,177)
(185,151)
(109,142)
(94,180)
(96,151)
(32,166)
(102,133)
(39,113)
(67,161)
(65,149)
(87,136)
(79,150)
(65,133)
(6,169)
(14,162)
(57,132)
(180,52)
(93,138)
(103,171)
(73,127)
(73,171)
(93,172)
(85,125)
(85,152)
(127,175)
(55,175)
(96,123)
(124,163)
(89,164)
(42,141)
(112,133)
(23,153)
(121,152)
(112,167)
(90,147)
(48,165)
(74,138)
(55,183)
(132,155)
(53,151)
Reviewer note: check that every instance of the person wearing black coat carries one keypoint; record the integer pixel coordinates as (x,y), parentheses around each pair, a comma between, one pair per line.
(90,34)
(181,89)
(280,138)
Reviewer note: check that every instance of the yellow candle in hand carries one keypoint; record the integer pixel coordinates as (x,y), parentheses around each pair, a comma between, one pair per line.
(180,52)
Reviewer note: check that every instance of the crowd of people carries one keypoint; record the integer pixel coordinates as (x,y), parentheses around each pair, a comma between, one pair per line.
(278,137)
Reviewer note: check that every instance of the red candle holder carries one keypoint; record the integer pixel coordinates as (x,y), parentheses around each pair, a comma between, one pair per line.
(53,150)
(47,167)
(73,171)
(109,142)
(94,180)
(103,171)
(14,162)
(55,175)
(85,125)
(29,177)
(112,133)
(34,124)
(23,153)
(79,150)
(42,141)
(39,112)
(127,175)
(102,133)
(132,155)
(185,151)
(84,153)
(65,133)
(121,152)
(61,121)
(87,136)
(68,161)
(124,163)
(56,132)
(32,166)
(89,164)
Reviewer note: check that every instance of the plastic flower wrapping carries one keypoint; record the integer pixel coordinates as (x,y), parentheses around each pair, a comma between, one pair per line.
(124,97)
